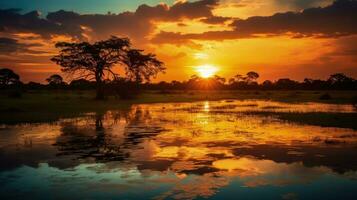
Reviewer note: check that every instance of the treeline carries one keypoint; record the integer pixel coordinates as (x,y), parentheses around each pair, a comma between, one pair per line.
(122,86)
(338,81)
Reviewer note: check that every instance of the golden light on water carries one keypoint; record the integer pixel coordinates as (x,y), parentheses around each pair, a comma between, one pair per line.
(206,106)
(206,71)
(202,147)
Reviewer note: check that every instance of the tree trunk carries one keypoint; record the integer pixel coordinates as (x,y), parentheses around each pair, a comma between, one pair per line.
(99,87)
(100,92)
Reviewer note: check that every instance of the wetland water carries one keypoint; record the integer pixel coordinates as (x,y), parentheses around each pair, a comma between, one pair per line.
(200,150)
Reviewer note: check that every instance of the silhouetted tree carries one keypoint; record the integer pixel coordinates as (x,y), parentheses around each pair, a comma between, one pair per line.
(311,84)
(92,61)
(8,77)
(285,83)
(142,67)
(196,82)
(219,79)
(339,78)
(236,79)
(267,84)
(341,81)
(55,79)
(252,77)
(244,82)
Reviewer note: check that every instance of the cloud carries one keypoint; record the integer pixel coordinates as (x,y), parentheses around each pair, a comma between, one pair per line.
(302,4)
(337,19)
(136,24)
(215,20)
(10,45)
(11,21)
(334,20)
(345,50)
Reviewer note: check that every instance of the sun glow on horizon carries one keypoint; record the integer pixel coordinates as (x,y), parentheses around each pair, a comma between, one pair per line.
(206,71)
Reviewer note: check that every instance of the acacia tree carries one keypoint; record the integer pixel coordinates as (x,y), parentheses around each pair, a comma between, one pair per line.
(142,67)
(8,77)
(92,61)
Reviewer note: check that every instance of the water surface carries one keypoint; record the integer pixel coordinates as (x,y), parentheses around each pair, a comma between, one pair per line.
(201,150)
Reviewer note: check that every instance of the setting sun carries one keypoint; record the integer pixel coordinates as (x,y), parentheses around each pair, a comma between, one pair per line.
(206,71)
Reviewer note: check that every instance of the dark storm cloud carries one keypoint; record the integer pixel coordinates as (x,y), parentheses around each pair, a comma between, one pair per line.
(338,19)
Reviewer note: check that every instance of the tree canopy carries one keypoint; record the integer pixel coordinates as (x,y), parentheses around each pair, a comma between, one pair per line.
(55,79)
(141,67)
(8,77)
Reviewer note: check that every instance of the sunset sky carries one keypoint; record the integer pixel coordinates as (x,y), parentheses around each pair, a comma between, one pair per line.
(276,38)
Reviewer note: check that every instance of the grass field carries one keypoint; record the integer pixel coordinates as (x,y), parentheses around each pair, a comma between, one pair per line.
(43,106)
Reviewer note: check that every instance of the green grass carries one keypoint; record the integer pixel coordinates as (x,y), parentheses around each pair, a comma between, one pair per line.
(44,106)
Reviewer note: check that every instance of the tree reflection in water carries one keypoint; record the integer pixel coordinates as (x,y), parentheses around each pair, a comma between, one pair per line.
(92,138)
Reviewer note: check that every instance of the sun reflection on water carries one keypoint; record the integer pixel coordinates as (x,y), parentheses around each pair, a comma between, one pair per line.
(206,106)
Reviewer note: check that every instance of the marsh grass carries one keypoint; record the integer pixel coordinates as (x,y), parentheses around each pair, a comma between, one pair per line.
(41,106)
(340,120)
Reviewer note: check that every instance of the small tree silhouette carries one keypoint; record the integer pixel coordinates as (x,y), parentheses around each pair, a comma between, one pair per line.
(252,77)
(55,79)
(8,77)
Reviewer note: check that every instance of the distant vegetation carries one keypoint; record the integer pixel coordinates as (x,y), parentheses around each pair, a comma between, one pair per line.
(127,88)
